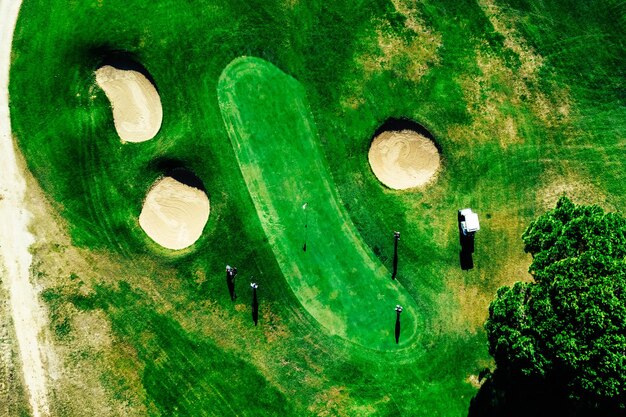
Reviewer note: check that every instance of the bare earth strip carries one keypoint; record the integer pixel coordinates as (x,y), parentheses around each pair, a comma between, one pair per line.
(29,317)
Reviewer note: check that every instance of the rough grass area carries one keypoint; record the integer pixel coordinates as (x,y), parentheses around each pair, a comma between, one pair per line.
(524,98)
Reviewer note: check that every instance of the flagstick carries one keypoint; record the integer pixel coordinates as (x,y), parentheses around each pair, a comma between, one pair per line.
(306,224)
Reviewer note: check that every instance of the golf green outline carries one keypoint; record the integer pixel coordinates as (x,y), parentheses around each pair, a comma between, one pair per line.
(338,279)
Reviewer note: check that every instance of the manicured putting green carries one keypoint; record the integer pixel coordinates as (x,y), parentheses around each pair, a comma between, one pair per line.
(338,279)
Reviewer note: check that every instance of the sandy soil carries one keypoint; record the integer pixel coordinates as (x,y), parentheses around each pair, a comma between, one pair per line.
(137,110)
(174,214)
(29,317)
(403,159)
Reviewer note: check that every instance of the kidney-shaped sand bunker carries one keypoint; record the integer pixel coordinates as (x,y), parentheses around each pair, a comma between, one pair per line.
(137,111)
(174,214)
(403,159)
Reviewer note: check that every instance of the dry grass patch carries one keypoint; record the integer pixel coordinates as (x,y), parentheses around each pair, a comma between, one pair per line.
(495,95)
(494,98)
(576,187)
(504,24)
(336,401)
(473,305)
(93,327)
(408,53)
(273,326)
(473,381)
(86,353)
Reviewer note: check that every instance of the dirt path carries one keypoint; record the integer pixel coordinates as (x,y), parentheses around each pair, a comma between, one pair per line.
(29,318)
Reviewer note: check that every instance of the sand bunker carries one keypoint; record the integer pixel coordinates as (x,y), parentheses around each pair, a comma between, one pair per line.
(137,110)
(174,214)
(403,159)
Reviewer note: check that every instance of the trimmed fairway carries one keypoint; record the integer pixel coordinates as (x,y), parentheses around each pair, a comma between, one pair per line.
(337,279)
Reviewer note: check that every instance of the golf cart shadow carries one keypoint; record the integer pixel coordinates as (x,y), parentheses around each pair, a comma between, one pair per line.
(466,238)
(466,260)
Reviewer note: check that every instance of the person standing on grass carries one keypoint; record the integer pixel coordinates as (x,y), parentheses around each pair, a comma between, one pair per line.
(230,281)
(255,303)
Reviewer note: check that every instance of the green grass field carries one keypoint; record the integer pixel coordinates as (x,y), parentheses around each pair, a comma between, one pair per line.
(526,102)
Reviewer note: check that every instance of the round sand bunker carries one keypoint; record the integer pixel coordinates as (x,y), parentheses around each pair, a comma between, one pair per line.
(403,159)
(137,111)
(174,214)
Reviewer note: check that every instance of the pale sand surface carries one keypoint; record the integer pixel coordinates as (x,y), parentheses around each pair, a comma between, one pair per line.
(403,159)
(137,110)
(174,214)
(28,314)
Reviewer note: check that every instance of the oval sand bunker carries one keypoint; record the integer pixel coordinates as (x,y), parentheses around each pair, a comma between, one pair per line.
(174,214)
(403,159)
(137,110)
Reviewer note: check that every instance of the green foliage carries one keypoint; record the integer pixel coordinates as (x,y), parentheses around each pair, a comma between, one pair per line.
(570,324)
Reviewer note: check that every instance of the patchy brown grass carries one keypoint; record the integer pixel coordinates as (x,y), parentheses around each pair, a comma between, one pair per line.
(336,401)
(273,326)
(552,108)
(473,305)
(408,53)
(579,189)
(87,355)
(504,24)
(495,95)
(473,381)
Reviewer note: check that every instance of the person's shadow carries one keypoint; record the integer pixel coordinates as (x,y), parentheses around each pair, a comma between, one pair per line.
(255,306)
(396,238)
(397,327)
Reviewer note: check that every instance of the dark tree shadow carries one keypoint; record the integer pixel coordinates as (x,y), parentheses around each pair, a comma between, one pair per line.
(501,395)
(255,307)
(505,395)
(397,333)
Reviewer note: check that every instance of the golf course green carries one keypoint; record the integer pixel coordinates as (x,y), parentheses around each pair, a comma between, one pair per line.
(337,278)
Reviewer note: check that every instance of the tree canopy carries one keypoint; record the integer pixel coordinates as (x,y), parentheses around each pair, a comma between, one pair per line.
(568,326)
